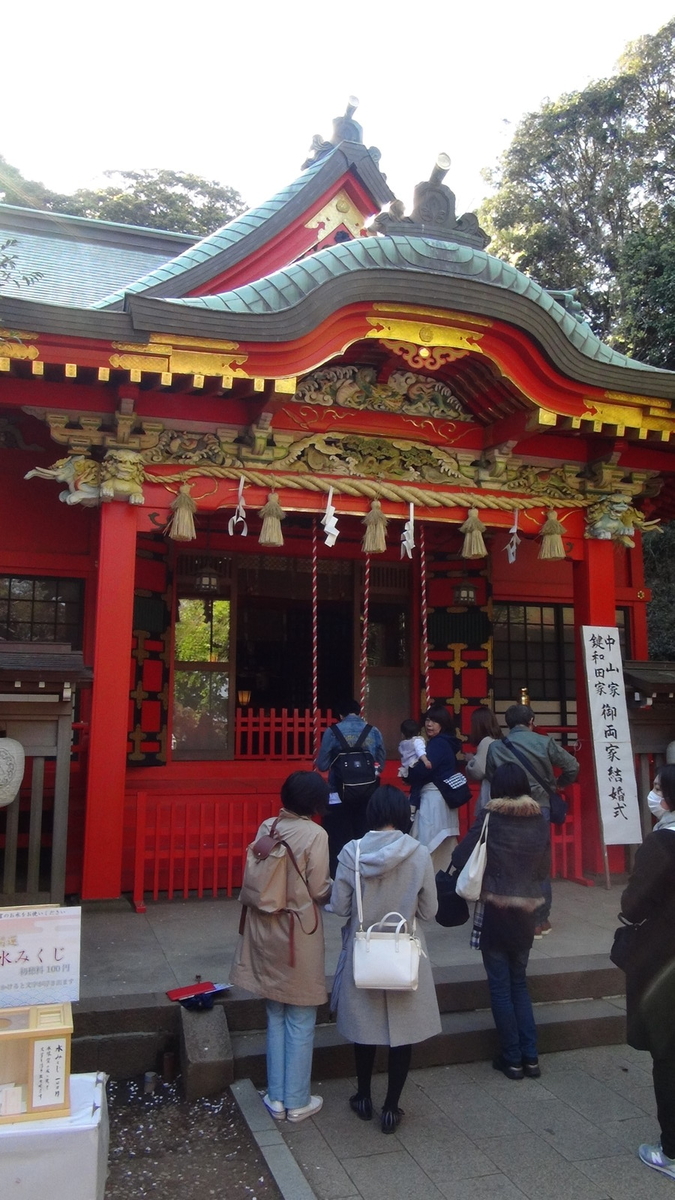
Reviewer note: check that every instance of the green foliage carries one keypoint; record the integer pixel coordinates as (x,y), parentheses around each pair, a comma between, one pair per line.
(659,560)
(156,199)
(646,325)
(583,176)
(159,200)
(203,631)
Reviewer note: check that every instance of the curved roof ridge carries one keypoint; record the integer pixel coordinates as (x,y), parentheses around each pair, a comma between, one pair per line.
(290,285)
(214,243)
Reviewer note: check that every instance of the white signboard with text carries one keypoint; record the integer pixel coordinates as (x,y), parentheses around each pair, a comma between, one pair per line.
(39,955)
(612,748)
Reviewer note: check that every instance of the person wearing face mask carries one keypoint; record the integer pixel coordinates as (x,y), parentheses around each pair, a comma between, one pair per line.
(649,902)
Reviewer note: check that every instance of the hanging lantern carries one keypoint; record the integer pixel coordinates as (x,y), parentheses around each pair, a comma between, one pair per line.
(207,581)
(551,539)
(375,541)
(182,524)
(473,530)
(12,764)
(272,514)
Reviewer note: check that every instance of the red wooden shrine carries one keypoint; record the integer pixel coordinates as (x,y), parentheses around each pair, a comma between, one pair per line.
(323,341)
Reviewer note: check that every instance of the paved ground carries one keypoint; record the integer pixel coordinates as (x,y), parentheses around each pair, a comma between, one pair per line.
(471,1134)
(125,953)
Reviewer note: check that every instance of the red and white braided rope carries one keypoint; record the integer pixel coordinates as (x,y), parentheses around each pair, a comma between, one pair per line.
(315,634)
(424,613)
(364,634)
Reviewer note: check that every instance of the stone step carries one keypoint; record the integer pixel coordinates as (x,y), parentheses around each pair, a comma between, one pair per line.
(466,1037)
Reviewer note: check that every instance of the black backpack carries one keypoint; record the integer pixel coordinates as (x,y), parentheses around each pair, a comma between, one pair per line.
(353,768)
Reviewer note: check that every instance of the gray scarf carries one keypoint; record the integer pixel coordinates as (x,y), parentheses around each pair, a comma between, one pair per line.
(667,821)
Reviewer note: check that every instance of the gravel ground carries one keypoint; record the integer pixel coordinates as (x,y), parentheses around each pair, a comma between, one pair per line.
(162,1146)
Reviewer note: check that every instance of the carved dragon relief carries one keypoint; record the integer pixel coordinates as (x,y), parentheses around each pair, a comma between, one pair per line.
(405,393)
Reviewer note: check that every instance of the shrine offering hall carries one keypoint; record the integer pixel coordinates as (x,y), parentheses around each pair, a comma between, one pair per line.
(330,450)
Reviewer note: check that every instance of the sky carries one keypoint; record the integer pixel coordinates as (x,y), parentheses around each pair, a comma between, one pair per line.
(234,92)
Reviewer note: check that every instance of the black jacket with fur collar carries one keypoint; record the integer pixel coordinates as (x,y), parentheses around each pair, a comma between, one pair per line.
(518,852)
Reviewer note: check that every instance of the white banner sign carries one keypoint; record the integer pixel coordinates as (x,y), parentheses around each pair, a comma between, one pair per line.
(612,749)
(39,956)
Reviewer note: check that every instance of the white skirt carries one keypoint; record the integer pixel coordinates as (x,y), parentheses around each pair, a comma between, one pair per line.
(434,821)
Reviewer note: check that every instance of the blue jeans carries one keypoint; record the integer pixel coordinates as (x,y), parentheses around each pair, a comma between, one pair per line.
(290,1044)
(544,912)
(511,1004)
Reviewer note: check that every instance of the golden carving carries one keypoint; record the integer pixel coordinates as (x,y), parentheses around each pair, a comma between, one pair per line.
(404,393)
(440,313)
(339,211)
(122,476)
(138,362)
(129,431)
(395,329)
(615,519)
(424,358)
(194,362)
(81,475)
(18,351)
(198,343)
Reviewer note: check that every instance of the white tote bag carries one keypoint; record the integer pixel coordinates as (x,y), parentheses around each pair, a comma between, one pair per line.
(470,878)
(385,956)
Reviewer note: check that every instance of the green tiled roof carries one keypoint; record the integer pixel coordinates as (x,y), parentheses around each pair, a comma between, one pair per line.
(288,287)
(213,245)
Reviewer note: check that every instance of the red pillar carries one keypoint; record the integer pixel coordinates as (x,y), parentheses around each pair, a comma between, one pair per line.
(102,876)
(594,604)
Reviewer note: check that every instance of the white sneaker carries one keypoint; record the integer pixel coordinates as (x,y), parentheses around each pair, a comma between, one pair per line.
(653,1156)
(275,1108)
(308,1110)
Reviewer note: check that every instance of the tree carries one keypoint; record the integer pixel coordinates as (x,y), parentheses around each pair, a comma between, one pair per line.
(646,279)
(659,560)
(584,175)
(156,199)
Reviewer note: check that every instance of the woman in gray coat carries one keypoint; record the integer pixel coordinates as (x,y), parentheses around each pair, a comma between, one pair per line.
(396,876)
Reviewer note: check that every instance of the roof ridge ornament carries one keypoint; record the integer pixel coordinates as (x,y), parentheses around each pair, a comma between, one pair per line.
(433,215)
(345,129)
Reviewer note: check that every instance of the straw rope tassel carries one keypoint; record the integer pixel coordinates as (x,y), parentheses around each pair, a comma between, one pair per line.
(315,636)
(272,514)
(473,530)
(424,614)
(375,541)
(551,539)
(364,634)
(182,524)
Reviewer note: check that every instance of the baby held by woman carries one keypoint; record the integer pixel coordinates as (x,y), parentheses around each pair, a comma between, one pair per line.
(412,748)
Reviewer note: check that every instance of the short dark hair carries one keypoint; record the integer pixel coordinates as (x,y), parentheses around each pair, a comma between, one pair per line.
(410,727)
(388,805)
(518,714)
(666,778)
(349,706)
(440,714)
(509,780)
(305,793)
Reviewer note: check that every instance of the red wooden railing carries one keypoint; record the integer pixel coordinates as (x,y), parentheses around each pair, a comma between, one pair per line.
(194,844)
(282,734)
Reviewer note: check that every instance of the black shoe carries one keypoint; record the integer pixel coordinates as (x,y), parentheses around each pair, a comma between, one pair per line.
(362,1106)
(531,1068)
(511,1070)
(390,1119)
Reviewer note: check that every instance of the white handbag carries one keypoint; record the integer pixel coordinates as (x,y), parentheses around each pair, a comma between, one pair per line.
(381,959)
(470,878)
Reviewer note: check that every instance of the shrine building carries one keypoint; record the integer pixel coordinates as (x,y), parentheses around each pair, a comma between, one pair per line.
(191,435)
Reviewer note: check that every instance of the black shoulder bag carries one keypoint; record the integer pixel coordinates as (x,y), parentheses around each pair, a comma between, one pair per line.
(558,802)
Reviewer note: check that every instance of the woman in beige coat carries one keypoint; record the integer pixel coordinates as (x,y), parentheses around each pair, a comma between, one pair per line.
(281,955)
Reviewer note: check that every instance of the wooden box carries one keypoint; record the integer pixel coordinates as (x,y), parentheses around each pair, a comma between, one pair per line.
(35,1062)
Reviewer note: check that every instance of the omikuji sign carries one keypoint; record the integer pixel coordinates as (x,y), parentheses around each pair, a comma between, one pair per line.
(39,956)
(612,749)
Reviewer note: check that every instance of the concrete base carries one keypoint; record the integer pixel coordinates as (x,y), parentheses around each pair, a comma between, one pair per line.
(206,1060)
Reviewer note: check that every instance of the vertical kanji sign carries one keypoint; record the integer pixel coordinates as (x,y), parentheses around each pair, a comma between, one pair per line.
(612,749)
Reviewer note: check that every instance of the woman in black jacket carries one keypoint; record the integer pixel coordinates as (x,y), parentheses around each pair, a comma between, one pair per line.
(435,825)
(518,859)
(650,976)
